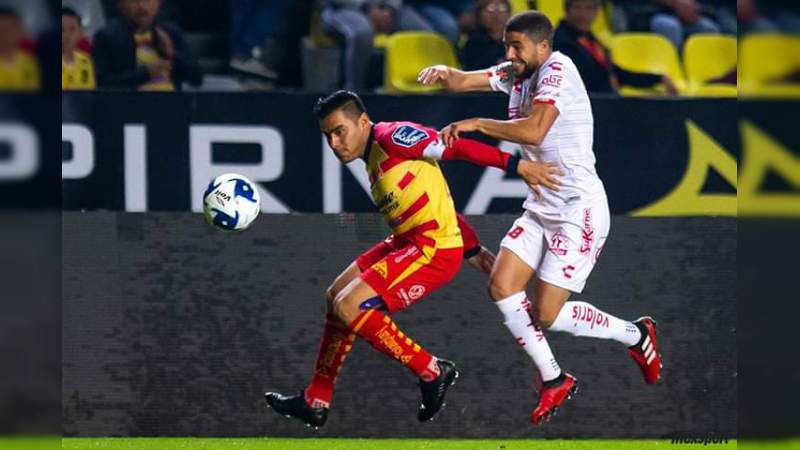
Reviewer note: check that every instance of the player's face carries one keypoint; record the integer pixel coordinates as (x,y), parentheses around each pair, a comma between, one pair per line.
(525,55)
(346,135)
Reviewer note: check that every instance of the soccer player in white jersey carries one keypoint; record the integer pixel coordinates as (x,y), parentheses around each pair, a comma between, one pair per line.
(560,235)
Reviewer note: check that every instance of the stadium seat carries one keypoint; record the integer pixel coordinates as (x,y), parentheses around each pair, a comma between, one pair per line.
(647,52)
(766,58)
(554,10)
(518,6)
(407,53)
(706,57)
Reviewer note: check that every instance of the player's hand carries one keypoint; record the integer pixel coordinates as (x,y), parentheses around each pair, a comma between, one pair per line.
(483,261)
(450,133)
(538,174)
(433,74)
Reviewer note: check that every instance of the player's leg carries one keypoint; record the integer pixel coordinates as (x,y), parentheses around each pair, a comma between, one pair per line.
(335,344)
(311,404)
(553,311)
(380,331)
(514,268)
(564,272)
(402,278)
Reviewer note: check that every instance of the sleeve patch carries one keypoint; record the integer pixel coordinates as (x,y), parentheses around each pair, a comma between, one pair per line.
(408,136)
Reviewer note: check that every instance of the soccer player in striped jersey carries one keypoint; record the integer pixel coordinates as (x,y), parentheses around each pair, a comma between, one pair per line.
(560,235)
(423,253)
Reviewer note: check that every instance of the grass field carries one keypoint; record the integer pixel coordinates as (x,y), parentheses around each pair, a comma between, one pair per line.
(364,444)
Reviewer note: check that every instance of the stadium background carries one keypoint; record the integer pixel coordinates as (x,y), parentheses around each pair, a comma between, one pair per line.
(170,329)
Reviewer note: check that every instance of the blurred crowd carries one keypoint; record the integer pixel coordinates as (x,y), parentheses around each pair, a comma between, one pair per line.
(319,44)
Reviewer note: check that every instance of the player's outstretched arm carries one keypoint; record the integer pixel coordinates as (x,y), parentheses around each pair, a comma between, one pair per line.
(483,260)
(455,80)
(529,130)
(534,173)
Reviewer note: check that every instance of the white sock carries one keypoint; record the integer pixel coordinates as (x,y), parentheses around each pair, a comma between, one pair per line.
(583,319)
(529,335)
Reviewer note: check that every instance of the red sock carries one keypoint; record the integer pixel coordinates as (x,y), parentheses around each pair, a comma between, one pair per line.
(381,332)
(336,343)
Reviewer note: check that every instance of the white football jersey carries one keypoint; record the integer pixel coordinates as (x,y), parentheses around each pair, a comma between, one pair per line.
(569,141)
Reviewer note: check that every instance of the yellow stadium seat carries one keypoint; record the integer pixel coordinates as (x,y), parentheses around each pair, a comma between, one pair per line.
(518,6)
(763,60)
(408,52)
(706,57)
(650,53)
(554,10)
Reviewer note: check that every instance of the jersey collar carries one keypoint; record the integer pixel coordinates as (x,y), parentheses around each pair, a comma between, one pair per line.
(368,147)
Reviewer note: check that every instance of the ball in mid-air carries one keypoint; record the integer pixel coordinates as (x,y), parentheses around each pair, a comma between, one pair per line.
(231,202)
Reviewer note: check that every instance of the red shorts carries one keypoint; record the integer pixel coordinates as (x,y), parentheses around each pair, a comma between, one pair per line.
(403,275)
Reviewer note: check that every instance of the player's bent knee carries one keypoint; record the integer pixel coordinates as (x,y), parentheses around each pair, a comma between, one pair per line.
(544,319)
(345,309)
(330,295)
(499,290)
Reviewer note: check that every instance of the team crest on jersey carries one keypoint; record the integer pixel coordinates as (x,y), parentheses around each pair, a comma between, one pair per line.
(408,136)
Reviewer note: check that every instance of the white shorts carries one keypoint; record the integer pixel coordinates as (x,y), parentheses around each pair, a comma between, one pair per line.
(562,250)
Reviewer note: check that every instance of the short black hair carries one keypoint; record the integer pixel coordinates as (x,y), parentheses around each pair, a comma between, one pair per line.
(9,11)
(533,24)
(347,100)
(69,12)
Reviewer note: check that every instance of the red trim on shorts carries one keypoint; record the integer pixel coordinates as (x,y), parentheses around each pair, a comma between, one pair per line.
(546,102)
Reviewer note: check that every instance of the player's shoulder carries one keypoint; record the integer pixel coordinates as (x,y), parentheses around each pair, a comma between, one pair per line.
(399,135)
(559,63)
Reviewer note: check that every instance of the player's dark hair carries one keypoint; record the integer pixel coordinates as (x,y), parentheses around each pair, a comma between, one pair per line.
(9,12)
(69,12)
(348,101)
(533,24)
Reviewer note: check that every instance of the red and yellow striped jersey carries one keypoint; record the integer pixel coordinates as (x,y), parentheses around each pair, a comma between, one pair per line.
(408,187)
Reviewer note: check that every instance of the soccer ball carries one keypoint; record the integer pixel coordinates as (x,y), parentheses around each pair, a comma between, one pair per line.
(231,202)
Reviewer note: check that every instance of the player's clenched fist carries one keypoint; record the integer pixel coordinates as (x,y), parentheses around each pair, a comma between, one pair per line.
(433,74)
(539,173)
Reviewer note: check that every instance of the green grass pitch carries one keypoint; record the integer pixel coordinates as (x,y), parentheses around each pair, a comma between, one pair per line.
(364,444)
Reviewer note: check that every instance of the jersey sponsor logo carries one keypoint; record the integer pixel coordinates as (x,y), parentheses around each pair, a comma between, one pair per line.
(555,65)
(568,271)
(409,252)
(559,245)
(587,233)
(552,80)
(408,136)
